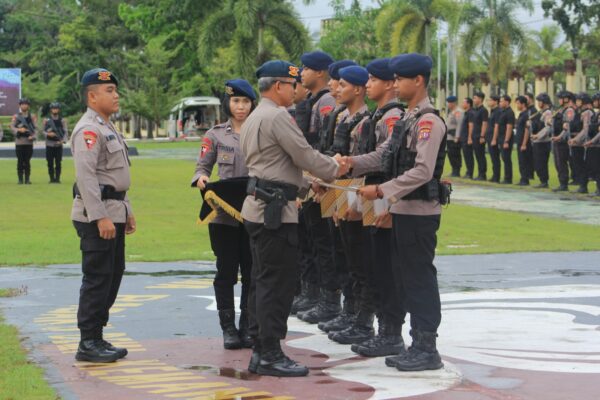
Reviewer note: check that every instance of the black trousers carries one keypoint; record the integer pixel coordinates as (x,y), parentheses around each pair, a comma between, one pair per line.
(307,257)
(24,154)
(415,241)
(232,249)
(592,161)
(525,159)
(560,151)
(479,150)
(541,155)
(343,277)
(507,160)
(103,264)
(54,159)
(390,293)
(274,278)
(320,231)
(454,156)
(495,158)
(467,151)
(579,169)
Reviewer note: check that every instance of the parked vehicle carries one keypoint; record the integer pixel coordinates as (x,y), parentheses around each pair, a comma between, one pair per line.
(193,116)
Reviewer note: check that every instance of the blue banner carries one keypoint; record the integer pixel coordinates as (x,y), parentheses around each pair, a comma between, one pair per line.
(10,90)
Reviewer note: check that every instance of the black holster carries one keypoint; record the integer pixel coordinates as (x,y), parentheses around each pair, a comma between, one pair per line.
(275,195)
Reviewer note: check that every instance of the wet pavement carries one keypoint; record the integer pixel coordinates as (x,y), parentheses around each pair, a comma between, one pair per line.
(515,326)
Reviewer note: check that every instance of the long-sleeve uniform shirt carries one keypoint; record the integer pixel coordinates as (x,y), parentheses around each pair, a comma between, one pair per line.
(221,145)
(454,123)
(51,125)
(20,120)
(545,134)
(425,137)
(276,150)
(579,138)
(100,157)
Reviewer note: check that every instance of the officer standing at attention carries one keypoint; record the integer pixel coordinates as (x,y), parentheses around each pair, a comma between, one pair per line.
(592,156)
(101,212)
(228,237)
(23,128)
(466,137)
(55,130)
(478,127)
(276,154)
(563,119)
(300,94)
(578,139)
(540,126)
(522,140)
(504,136)
(454,122)
(413,160)
(491,137)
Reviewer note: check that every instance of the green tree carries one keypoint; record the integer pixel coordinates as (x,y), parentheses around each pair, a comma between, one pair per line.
(572,16)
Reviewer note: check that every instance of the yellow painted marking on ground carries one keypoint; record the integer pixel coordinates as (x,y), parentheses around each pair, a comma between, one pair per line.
(200,283)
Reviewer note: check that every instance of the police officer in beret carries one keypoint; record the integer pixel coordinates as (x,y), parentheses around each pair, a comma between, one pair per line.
(101,212)
(540,128)
(56,133)
(300,94)
(23,127)
(413,161)
(564,120)
(454,123)
(228,238)
(276,154)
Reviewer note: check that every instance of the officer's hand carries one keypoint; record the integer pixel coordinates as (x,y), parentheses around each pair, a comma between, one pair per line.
(587,144)
(106,228)
(523,148)
(571,142)
(31,137)
(505,146)
(456,140)
(469,141)
(368,192)
(201,183)
(22,129)
(130,226)
(555,138)
(494,142)
(352,214)
(384,220)
(51,134)
(481,140)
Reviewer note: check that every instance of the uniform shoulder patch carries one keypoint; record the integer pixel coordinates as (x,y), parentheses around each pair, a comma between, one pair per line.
(90,138)
(326,110)
(457,114)
(390,122)
(570,113)
(206,146)
(424,129)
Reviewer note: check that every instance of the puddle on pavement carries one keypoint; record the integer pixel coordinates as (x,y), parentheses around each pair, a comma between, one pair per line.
(171,273)
(223,371)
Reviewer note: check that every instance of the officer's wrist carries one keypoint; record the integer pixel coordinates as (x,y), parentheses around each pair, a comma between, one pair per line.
(379,192)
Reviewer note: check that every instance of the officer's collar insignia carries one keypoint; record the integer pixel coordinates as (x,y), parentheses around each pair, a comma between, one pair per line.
(229,90)
(100,120)
(104,75)
(293,71)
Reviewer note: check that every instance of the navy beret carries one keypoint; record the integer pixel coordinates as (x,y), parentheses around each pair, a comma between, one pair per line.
(317,60)
(334,68)
(451,99)
(299,77)
(240,87)
(277,69)
(354,74)
(411,65)
(98,76)
(380,68)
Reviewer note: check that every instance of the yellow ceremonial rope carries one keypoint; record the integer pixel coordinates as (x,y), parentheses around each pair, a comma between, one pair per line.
(216,203)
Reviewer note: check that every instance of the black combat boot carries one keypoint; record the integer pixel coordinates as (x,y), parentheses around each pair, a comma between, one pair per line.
(94,350)
(255,357)
(327,309)
(561,188)
(20,174)
(360,331)
(121,351)
(274,362)
(342,321)
(245,338)
(543,185)
(583,189)
(387,342)
(597,192)
(231,338)
(307,299)
(422,354)
(27,181)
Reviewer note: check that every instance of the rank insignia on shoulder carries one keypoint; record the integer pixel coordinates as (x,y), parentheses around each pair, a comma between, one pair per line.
(90,138)
(390,122)
(326,110)
(424,134)
(100,120)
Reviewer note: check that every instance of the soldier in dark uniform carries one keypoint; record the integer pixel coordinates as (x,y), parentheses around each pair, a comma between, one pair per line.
(504,136)
(578,139)
(228,238)
(101,212)
(563,119)
(466,137)
(491,137)
(592,156)
(276,154)
(413,160)
(23,128)
(531,110)
(454,122)
(56,132)
(540,128)
(478,127)
(524,150)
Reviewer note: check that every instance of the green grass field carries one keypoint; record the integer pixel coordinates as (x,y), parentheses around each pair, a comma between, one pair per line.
(37,228)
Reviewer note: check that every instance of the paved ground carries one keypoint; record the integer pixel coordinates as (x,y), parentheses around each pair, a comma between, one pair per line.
(520,326)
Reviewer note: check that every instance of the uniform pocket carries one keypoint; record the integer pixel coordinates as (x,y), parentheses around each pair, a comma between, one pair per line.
(115,158)
(96,256)
(225,157)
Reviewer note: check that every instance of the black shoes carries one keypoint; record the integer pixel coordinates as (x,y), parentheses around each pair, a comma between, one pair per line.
(523,183)
(387,342)
(543,185)
(354,334)
(326,309)
(339,323)
(245,339)
(231,337)
(307,299)
(421,356)
(121,351)
(561,188)
(481,178)
(255,357)
(273,362)
(98,351)
(582,189)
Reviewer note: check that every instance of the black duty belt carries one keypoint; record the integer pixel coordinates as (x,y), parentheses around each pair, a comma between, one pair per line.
(290,191)
(107,192)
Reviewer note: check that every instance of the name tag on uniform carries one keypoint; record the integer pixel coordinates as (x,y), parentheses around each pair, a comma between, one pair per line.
(111,137)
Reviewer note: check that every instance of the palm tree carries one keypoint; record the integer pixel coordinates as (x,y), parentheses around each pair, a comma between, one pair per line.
(245,25)
(494,33)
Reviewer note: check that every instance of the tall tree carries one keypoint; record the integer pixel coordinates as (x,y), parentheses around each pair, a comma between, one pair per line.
(572,16)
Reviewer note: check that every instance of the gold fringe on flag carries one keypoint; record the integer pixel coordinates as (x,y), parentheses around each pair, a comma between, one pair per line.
(216,203)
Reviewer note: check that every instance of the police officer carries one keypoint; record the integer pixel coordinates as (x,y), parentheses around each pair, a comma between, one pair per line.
(592,156)
(578,139)
(477,127)
(374,132)
(300,94)
(56,133)
(564,118)
(276,153)
(228,237)
(504,136)
(414,160)
(23,127)
(524,150)
(531,110)
(540,127)
(466,137)
(491,137)
(101,212)
(454,123)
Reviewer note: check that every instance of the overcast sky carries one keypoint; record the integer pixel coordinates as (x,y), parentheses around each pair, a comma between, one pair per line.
(312,15)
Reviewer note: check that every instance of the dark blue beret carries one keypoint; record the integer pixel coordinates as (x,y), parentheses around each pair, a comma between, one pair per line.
(299,77)
(380,68)
(240,87)
(411,65)
(451,99)
(317,60)
(98,76)
(354,74)
(277,69)
(334,68)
